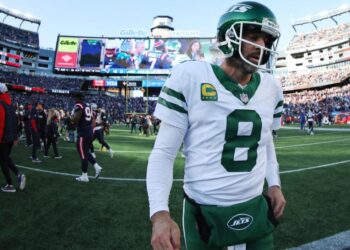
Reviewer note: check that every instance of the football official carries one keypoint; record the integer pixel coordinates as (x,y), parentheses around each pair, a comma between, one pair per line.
(225,116)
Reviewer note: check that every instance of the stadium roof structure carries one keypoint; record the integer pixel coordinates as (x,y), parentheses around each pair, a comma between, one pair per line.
(321,16)
(18,15)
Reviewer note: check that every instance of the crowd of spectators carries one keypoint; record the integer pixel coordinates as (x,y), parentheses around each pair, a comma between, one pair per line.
(314,78)
(117,105)
(319,37)
(326,101)
(41,81)
(24,38)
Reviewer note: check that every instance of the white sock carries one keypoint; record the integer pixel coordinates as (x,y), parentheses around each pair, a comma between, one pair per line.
(96,165)
(84,175)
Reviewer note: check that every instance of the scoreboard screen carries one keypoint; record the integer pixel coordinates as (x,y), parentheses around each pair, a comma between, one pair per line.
(122,56)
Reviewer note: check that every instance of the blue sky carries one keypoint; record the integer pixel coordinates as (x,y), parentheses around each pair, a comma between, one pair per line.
(111,17)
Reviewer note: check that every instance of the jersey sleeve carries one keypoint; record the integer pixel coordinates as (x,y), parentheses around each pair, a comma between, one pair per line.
(172,106)
(278,107)
(77,107)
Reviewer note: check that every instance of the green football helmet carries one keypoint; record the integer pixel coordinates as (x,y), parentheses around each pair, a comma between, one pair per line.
(173,45)
(248,15)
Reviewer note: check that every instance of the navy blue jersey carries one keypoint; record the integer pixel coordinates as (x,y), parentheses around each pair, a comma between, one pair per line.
(121,60)
(85,123)
(156,60)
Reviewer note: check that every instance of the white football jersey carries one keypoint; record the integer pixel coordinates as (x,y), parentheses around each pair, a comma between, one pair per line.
(227,126)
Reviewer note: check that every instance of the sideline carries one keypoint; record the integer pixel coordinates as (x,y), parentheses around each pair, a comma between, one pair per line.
(338,241)
(319,129)
(175,180)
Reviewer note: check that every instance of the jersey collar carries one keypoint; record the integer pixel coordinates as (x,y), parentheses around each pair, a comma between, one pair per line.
(244,95)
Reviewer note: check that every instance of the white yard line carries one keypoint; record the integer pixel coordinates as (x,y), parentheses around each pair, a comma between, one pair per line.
(310,144)
(338,241)
(177,180)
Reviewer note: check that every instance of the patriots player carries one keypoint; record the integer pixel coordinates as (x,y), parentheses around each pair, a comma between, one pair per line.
(225,116)
(82,116)
(159,58)
(100,121)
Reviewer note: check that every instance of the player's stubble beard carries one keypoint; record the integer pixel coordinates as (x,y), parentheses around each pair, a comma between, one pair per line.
(236,62)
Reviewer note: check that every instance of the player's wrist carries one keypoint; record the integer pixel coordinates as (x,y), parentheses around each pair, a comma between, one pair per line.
(160,215)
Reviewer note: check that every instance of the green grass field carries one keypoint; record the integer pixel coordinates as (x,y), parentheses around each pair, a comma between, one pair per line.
(56,212)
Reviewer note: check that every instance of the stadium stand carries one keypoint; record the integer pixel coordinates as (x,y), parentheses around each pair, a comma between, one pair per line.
(314,70)
(18,36)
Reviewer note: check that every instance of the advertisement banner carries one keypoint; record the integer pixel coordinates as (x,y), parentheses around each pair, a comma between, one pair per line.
(98,83)
(68,44)
(153,83)
(111,83)
(66,60)
(130,84)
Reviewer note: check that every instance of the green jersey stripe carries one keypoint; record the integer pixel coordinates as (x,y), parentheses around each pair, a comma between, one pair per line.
(171,105)
(174,93)
(279,104)
(278,115)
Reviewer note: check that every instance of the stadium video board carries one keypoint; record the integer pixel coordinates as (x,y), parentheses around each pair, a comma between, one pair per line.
(112,56)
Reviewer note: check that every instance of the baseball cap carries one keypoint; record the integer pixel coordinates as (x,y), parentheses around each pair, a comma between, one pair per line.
(3,88)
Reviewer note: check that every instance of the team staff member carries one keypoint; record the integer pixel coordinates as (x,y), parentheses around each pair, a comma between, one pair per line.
(35,129)
(52,133)
(42,125)
(8,136)
(82,116)
(225,116)
(27,124)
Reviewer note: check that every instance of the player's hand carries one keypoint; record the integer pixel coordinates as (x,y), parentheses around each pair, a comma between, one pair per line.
(277,200)
(165,232)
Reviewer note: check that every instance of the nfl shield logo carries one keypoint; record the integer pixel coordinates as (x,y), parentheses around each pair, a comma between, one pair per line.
(244,98)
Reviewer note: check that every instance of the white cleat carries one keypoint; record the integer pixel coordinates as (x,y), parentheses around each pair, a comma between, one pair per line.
(111,153)
(22,181)
(82,178)
(98,170)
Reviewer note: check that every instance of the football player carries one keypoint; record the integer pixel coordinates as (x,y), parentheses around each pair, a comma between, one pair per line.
(82,116)
(310,121)
(225,116)
(159,58)
(100,122)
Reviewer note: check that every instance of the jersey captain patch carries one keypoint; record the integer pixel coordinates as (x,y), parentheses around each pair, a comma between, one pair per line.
(208,92)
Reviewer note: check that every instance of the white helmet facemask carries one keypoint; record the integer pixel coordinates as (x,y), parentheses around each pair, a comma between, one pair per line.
(266,56)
